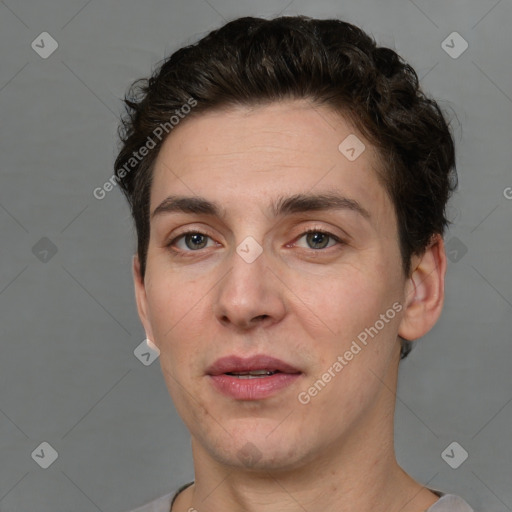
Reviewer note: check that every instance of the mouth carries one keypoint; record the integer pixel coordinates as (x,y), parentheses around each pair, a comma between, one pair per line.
(257,366)
(253,378)
(256,374)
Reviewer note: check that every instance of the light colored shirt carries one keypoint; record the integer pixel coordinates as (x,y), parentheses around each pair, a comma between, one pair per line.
(446,503)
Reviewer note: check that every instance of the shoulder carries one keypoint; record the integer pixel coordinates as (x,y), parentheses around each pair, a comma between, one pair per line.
(162,504)
(450,503)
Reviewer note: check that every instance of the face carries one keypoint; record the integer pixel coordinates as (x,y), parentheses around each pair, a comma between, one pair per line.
(295,280)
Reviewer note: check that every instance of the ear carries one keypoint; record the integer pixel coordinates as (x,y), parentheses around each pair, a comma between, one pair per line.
(141,298)
(424,292)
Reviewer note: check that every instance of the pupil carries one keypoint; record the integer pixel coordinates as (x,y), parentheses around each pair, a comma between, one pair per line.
(196,239)
(316,241)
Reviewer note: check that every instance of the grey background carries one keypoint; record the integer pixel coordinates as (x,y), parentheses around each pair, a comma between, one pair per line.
(68,322)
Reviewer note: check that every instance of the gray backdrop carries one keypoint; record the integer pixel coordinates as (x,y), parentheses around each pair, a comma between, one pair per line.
(69,376)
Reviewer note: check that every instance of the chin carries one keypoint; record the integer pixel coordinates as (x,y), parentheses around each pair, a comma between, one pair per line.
(260,449)
(252,457)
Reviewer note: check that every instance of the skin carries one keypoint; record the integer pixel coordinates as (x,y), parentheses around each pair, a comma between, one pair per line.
(298,303)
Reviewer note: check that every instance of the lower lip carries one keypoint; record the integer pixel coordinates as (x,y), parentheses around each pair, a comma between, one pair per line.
(252,389)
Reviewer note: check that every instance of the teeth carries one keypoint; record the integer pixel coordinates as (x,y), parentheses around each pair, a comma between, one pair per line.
(254,374)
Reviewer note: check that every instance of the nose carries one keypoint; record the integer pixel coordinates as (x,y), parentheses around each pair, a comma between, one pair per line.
(250,294)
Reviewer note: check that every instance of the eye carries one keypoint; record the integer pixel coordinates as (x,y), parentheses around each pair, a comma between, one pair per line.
(318,239)
(193,240)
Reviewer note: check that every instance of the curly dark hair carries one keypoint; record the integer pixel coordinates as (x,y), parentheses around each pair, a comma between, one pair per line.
(255,61)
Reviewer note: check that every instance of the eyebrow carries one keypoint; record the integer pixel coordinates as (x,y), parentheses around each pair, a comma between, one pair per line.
(297,203)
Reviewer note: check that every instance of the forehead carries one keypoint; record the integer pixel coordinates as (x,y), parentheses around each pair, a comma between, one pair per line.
(245,155)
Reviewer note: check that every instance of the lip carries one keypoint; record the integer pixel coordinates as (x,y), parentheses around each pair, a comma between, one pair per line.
(251,389)
(257,362)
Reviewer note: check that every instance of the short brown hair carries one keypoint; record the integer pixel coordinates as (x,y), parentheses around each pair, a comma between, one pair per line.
(251,61)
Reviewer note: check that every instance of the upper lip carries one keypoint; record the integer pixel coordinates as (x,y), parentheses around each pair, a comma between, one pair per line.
(235,364)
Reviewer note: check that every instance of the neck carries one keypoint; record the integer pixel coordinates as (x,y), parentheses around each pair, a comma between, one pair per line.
(359,473)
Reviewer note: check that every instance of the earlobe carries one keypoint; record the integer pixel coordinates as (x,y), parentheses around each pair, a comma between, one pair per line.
(424,292)
(141,297)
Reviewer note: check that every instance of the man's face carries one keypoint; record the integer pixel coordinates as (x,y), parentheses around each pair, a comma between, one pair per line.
(253,283)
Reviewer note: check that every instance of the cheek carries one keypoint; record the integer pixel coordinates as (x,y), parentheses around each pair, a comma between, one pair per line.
(181,317)
(173,307)
(340,305)
(170,294)
(349,324)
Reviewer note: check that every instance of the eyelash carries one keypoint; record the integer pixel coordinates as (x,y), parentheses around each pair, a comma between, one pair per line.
(189,253)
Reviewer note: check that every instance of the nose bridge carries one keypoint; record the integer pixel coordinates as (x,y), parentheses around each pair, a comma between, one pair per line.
(249,292)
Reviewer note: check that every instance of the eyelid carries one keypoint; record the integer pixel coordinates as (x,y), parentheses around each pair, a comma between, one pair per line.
(322,231)
(176,237)
(340,240)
